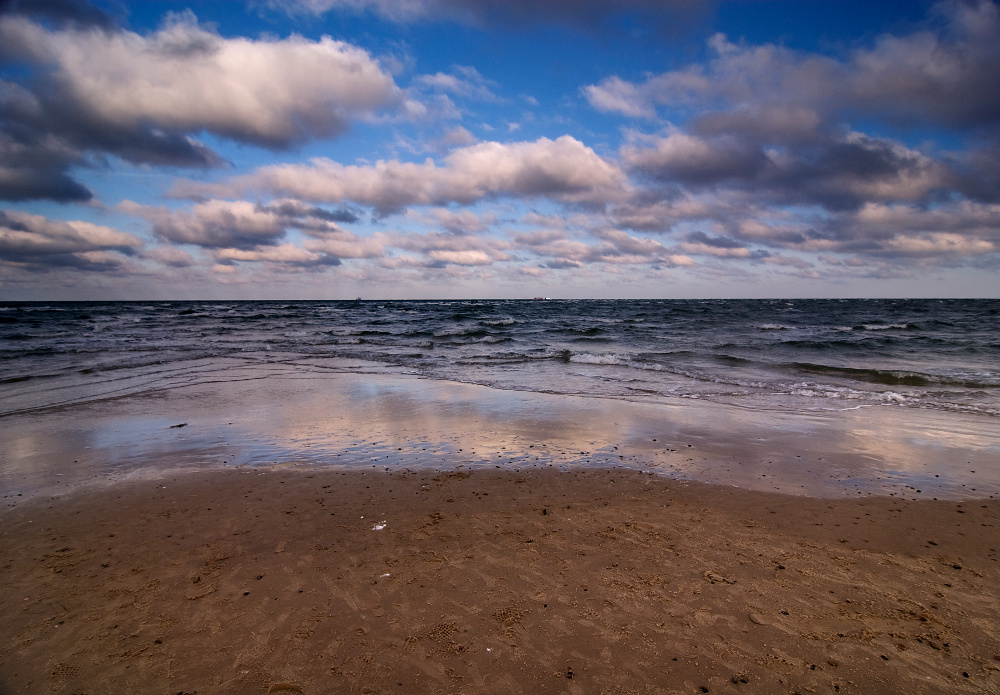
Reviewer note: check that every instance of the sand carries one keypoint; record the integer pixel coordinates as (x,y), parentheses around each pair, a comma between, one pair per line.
(591,581)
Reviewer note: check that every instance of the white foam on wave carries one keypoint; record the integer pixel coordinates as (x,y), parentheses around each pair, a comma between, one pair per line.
(884,327)
(459,330)
(605,358)
(810,390)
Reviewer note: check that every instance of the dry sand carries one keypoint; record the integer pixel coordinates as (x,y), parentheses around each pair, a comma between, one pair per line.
(600,581)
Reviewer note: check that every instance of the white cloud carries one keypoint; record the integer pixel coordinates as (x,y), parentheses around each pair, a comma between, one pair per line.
(461,257)
(449,249)
(170,256)
(214,224)
(36,241)
(936,245)
(284,253)
(564,169)
(186,78)
(244,231)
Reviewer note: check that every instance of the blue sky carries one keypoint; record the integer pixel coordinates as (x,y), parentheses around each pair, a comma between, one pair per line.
(487,148)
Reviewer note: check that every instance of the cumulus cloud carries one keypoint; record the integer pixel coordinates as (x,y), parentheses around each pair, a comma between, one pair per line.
(186,78)
(242,231)
(696,160)
(34,241)
(564,169)
(240,224)
(104,90)
(214,224)
(170,256)
(944,77)
(440,249)
(838,173)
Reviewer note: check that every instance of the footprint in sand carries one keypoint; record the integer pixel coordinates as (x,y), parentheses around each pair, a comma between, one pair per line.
(284,689)
(64,672)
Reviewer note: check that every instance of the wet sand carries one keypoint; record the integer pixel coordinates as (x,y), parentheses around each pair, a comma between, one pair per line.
(273,414)
(306,580)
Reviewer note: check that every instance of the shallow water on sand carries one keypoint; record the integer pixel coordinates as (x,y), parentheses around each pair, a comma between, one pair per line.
(270,417)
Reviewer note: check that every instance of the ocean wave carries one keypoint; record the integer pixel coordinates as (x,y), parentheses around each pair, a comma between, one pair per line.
(884,327)
(875,376)
(911,353)
(457,331)
(896,377)
(842,393)
(604,358)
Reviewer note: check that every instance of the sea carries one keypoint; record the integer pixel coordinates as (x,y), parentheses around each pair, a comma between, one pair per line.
(804,396)
(941,355)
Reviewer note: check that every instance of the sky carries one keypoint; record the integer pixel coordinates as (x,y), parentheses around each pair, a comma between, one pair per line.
(417,149)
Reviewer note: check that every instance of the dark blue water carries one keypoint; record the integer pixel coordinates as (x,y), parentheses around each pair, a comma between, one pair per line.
(771,354)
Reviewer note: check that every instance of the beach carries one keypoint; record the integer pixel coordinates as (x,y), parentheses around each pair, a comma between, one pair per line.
(272,520)
(596,581)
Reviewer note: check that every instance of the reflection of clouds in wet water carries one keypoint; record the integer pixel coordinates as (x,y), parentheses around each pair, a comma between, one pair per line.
(356,420)
(925,450)
(427,418)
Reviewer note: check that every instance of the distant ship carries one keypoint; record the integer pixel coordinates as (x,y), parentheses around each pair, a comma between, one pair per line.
(543,297)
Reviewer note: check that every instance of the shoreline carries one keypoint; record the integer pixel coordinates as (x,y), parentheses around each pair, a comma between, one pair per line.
(313,580)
